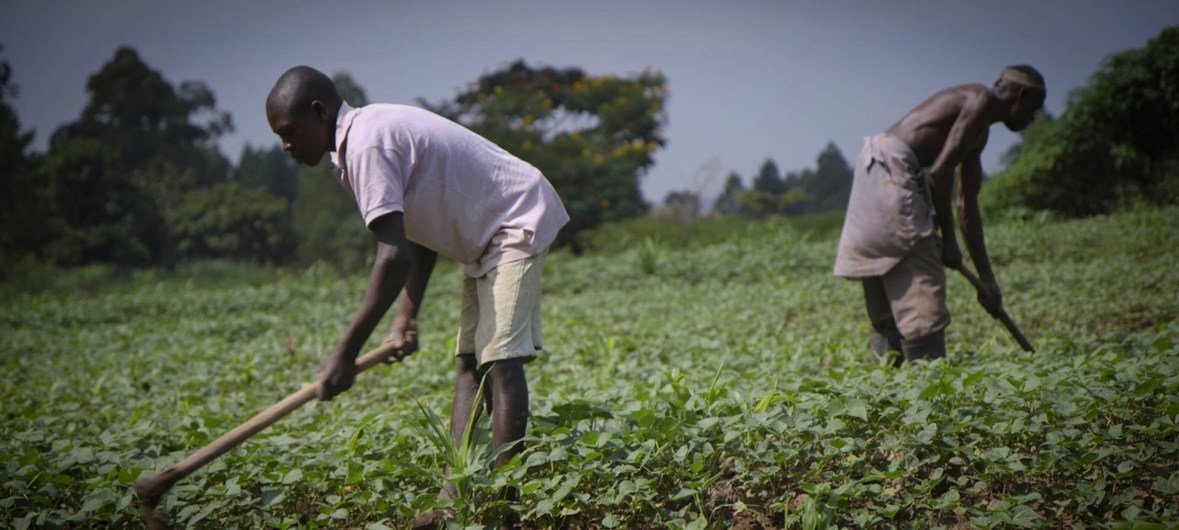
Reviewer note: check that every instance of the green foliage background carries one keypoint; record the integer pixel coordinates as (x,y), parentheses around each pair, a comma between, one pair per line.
(592,136)
(683,387)
(125,184)
(1116,143)
(822,189)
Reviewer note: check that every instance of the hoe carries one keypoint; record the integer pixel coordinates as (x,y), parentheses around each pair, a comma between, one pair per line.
(150,488)
(1002,316)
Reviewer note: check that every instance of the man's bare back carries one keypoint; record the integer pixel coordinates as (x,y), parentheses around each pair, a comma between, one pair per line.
(926,128)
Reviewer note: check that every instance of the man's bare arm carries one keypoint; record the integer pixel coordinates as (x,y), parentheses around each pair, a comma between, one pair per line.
(970,176)
(942,191)
(405,323)
(969,128)
(390,270)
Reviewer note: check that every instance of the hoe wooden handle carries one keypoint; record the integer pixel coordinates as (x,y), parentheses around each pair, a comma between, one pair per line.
(1002,316)
(151,487)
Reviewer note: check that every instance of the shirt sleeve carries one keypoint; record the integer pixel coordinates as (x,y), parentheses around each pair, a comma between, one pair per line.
(377,182)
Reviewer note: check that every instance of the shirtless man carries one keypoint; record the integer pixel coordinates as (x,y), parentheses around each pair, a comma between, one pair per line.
(890,235)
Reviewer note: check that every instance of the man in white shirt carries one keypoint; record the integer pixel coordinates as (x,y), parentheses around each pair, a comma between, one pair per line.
(427,186)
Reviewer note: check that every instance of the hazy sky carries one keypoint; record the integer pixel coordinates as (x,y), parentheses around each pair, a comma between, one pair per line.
(747,80)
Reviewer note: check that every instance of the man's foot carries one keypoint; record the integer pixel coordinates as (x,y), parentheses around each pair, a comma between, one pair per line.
(929,347)
(885,338)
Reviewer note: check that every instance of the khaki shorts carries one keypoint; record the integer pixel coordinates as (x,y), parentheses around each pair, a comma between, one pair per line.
(501,312)
(913,291)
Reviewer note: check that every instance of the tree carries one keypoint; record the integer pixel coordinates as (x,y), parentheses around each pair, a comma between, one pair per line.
(232,221)
(592,136)
(801,201)
(271,169)
(769,179)
(683,206)
(758,204)
(23,197)
(1012,153)
(136,149)
(728,203)
(138,115)
(1117,140)
(13,143)
(349,89)
(326,222)
(827,187)
(831,182)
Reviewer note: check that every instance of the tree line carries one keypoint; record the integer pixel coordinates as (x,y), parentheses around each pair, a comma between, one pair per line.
(824,188)
(138,180)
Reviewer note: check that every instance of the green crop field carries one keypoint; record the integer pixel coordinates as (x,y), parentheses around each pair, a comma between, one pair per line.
(718,386)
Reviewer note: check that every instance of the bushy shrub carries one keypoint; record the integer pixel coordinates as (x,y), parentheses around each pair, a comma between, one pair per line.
(232,221)
(1116,143)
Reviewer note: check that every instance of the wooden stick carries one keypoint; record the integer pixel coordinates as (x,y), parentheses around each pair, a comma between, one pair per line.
(1002,316)
(150,488)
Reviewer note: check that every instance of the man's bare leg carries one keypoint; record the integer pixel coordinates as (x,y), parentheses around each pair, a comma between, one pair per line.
(466,393)
(509,418)
(509,396)
(467,378)
(885,336)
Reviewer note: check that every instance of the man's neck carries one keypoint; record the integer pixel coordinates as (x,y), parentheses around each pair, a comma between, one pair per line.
(998,108)
(333,120)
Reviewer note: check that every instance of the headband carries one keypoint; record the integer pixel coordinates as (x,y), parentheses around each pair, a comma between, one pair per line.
(1022,78)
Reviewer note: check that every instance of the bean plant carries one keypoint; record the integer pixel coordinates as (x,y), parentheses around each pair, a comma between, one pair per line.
(719,386)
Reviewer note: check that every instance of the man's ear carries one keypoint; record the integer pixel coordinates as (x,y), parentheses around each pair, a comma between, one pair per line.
(1013,91)
(320,110)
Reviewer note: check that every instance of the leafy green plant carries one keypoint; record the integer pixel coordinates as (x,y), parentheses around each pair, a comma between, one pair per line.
(648,256)
(733,388)
(464,480)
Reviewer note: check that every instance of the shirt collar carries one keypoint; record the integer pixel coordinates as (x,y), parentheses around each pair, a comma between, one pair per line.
(344,118)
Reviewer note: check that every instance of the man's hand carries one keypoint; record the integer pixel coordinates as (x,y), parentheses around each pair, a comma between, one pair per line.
(404,338)
(951,254)
(991,298)
(336,375)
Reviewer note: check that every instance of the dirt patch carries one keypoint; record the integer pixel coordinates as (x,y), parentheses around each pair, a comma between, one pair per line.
(720,494)
(725,497)
(751,520)
(1135,321)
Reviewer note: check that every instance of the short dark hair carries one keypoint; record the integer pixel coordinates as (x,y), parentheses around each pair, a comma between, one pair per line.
(299,86)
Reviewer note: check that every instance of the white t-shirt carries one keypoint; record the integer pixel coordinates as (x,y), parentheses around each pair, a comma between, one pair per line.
(461,195)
